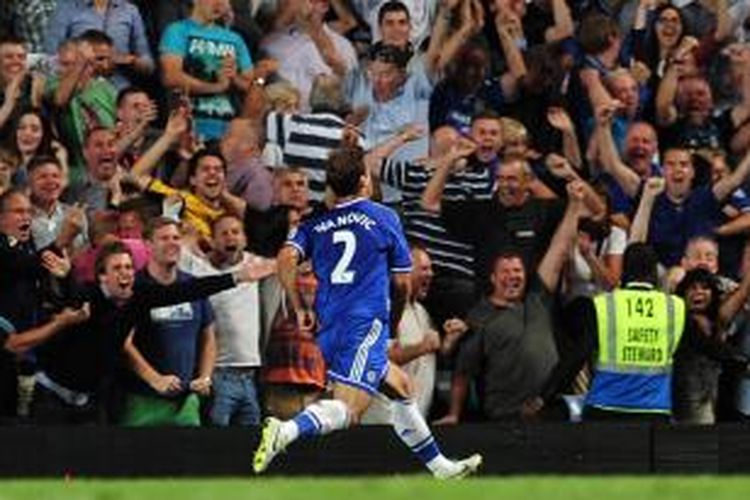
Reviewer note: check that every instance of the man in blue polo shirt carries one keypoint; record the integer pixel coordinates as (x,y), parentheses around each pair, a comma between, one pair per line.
(683,210)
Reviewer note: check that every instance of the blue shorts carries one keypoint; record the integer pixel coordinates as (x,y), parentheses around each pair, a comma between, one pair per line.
(356,352)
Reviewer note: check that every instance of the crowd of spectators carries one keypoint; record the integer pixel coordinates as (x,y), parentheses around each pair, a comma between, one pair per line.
(155,154)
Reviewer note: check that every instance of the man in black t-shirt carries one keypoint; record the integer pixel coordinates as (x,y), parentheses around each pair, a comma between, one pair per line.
(77,367)
(513,220)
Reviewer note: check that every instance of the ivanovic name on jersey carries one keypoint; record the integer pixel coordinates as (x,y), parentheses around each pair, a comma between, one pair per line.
(347,219)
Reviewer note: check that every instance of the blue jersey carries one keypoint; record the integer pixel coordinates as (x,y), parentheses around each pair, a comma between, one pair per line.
(354,247)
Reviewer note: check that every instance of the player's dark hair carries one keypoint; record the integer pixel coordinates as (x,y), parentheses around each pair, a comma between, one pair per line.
(344,169)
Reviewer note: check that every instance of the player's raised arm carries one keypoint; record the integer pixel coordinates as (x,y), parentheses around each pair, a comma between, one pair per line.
(288,261)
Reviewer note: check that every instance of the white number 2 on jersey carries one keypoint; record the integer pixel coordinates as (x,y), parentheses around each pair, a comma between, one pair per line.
(341,275)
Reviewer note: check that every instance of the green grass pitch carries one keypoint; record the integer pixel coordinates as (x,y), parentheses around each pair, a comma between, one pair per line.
(385,488)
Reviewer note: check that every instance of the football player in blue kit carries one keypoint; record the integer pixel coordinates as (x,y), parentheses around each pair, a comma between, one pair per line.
(358,251)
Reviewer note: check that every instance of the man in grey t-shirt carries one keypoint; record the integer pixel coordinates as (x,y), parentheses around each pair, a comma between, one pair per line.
(511,349)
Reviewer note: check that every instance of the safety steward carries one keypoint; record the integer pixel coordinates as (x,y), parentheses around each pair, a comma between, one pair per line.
(629,338)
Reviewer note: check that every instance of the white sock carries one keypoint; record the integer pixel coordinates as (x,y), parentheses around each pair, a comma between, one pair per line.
(412,429)
(319,418)
(289,431)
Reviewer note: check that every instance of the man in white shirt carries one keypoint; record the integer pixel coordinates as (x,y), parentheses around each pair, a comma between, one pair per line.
(309,47)
(238,324)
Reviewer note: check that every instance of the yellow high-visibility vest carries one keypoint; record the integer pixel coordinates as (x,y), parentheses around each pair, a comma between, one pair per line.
(638,330)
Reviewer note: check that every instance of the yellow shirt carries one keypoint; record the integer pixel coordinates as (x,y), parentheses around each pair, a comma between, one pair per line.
(197,212)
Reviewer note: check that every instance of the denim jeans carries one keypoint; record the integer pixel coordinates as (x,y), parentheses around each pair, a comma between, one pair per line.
(235,398)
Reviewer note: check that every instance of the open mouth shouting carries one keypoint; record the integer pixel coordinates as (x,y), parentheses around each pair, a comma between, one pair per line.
(24,231)
(125,283)
(108,161)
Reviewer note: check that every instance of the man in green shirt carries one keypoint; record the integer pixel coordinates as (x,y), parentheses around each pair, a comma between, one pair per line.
(85,99)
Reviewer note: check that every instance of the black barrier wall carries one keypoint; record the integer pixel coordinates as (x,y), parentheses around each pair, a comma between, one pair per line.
(605,448)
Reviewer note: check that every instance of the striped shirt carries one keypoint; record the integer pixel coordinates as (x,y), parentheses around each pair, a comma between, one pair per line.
(449,255)
(306,141)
